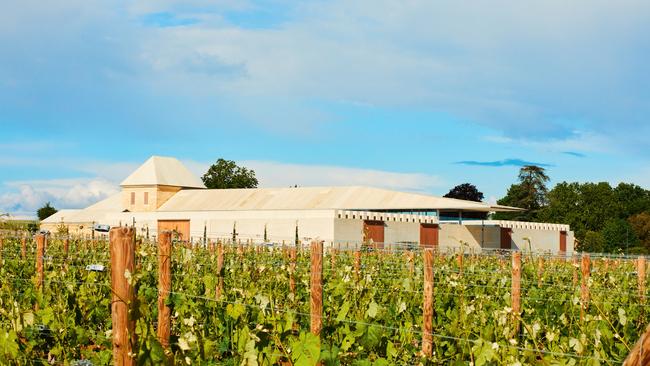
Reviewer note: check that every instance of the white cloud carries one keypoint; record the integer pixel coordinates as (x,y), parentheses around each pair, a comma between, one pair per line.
(277,174)
(23,198)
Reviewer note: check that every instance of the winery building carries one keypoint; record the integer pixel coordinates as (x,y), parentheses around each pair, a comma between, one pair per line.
(163,194)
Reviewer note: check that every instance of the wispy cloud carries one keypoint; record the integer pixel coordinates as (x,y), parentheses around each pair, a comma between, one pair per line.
(24,197)
(166,19)
(500,163)
(575,154)
(279,174)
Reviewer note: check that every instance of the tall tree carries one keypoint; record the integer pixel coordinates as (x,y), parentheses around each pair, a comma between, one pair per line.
(530,194)
(465,191)
(227,174)
(641,225)
(46,211)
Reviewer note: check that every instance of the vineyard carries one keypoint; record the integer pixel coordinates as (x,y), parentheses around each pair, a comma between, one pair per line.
(241,304)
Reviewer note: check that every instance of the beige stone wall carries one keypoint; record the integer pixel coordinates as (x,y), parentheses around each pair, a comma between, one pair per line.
(471,237)
(157,196)
(540,240)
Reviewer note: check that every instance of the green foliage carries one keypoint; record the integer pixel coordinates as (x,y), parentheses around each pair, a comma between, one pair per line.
(594,242)
(371,319)
(530,194)
(465,191)
(227,174)
(641,225)
(46,211)
(618,235)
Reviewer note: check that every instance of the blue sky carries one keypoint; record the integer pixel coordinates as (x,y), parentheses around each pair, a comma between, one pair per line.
(418,95)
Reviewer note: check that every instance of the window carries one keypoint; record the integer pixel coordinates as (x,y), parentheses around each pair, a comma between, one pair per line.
(146,198)
(133,198)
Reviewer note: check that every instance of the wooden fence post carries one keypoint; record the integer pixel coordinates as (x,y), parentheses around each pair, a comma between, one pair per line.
(164,286)
(427,326)
(40,254)
(66,246)
(316,290)
(584,288)
(459,259)
(540,270)
(357,263)
(122,250)
(292,269)
(516,288)
(219,269)
(640,270)
(574,264)
(23,247)
(638,355)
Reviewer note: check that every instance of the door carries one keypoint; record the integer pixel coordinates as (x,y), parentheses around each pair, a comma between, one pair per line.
(374,230)
(180,228)
(429,235)
(563,241)
(506,238)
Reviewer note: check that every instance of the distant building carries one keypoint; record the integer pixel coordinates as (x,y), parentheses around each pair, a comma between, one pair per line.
(162,194)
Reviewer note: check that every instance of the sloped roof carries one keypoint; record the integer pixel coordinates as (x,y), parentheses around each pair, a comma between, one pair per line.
(91,213)
(308,198)
(161,170)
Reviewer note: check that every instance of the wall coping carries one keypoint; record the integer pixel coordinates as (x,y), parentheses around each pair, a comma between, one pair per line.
(521,225)
(385,216)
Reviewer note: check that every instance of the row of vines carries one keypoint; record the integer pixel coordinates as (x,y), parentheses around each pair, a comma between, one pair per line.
(256,310)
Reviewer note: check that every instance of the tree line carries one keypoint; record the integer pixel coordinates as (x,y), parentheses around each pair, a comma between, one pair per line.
(604,218)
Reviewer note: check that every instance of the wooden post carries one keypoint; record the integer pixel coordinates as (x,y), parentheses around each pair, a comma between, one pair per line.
(584,289)
(122,250)
(219,270)
(411,259)
(40,254)
(332,259)
(638,355)
(574,264)
(459,259)
(357,263)
(316,291)
(66,246)
(640,270)
(427,310)
(164,286)
(23,247)
(516,288)
(540,270)
(292,269)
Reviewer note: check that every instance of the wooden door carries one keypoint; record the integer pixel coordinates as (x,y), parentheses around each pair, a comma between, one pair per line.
(506,238)
(181,228)
(429,235)
(374,230)
(563,241)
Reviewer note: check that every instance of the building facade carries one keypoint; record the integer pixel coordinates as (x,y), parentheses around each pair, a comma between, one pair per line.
(162,194)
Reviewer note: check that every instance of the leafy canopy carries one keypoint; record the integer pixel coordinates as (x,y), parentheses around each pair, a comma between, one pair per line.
(465,191)
(46,211)
(226,174)
(530,194)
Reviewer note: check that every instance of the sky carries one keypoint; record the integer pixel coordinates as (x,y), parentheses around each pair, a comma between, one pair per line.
(408,95)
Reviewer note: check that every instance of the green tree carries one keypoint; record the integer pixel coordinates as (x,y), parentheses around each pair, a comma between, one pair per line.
(46,211)
(465,191)
(632,199)
(641,225)
(619,236)
(594,242)
(226,174)
(530,194)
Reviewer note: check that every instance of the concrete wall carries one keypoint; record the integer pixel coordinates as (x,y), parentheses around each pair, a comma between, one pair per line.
(280,224)
(157,196)
(540,240)
(452,234)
